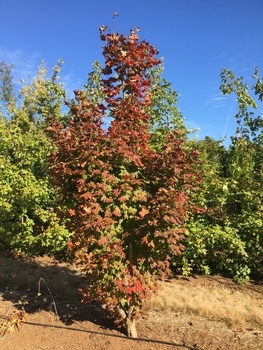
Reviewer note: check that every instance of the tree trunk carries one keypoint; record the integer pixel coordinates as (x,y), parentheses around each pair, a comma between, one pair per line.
(131,328)
(129,321)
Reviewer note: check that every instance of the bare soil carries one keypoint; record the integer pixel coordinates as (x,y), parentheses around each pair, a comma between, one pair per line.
(56,318)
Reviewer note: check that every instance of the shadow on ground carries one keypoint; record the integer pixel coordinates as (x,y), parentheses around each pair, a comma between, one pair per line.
(43,284)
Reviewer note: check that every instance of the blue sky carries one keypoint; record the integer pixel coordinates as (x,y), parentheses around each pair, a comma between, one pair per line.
(195,37)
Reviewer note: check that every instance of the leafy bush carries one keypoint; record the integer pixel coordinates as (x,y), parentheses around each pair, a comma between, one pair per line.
(213,249)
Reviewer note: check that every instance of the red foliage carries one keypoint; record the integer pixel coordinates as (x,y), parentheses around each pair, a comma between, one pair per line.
(126,203)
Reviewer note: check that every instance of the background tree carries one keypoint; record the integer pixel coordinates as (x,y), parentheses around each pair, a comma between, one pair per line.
(245,199)
(28,223)
(127,200)
(212,245)
(6,83)
(165,115)
(227,238)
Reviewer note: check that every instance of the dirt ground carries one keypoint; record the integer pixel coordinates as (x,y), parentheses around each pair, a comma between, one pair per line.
(46,290)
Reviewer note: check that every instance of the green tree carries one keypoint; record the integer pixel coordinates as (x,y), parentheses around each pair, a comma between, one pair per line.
(212,245)
(28,223)
(227,238)
(245,197)
(249,114)
(6,82)
(165,115)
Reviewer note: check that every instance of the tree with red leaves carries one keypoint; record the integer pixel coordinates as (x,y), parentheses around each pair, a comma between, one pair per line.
(127,201)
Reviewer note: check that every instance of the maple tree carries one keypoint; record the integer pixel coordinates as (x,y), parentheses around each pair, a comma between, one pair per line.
(127,201)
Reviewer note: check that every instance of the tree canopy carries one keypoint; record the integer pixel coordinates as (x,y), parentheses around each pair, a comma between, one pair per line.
(112,179)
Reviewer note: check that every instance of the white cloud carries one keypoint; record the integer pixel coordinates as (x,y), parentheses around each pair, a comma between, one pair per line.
(70,83)
(25,65)
(216,101)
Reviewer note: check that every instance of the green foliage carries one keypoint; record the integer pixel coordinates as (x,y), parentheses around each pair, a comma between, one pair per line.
(28,223)
(244,202)
(215,243)
(40,99)
(227,237)
(6,83)
(213,190)
(245,198)
(213,249)
(164,113)
(231,193)
(248,125)
(93,87)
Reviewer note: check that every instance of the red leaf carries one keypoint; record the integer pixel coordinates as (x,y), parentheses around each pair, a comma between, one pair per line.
(71,212)
(102,241)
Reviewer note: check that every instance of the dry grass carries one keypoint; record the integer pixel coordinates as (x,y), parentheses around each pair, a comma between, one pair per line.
(11,322)
(214,298)
(237,306)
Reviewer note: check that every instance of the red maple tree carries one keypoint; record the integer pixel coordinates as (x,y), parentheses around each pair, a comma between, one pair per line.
(127,203)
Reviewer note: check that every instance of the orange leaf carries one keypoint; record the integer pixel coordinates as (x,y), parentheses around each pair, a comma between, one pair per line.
(151,244)
(144,240)
(143,212)
(87,210)
(102,241)
(117,212)
(71,212)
